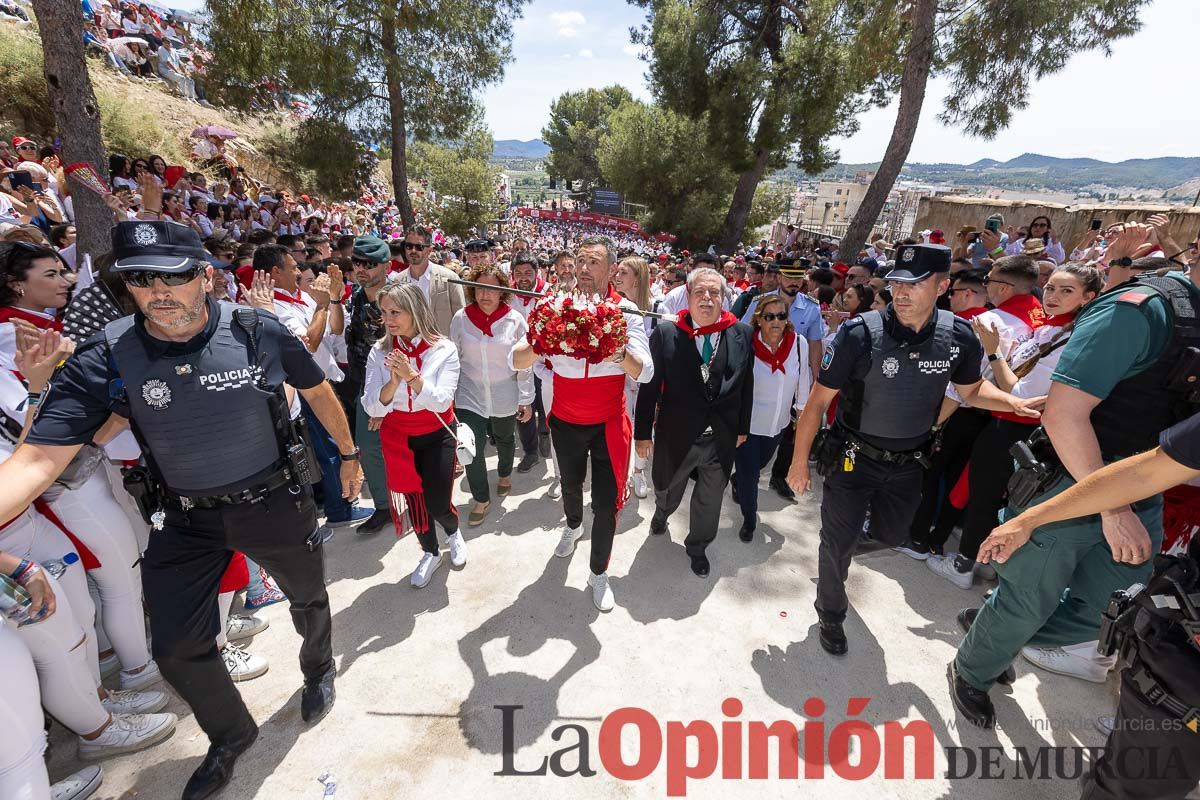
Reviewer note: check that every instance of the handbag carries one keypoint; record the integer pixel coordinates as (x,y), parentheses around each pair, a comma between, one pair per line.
(464,437)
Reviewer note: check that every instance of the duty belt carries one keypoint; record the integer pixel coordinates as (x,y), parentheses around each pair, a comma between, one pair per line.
(1152,689)
(251,495)
(879,454)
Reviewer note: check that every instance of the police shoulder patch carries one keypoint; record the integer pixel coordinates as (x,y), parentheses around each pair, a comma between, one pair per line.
(1133,297)
(827,357)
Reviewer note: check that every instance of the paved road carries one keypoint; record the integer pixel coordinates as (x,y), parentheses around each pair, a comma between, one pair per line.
(421,672)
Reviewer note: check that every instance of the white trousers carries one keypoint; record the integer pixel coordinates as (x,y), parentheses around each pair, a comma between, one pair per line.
(22,768)
(92,513)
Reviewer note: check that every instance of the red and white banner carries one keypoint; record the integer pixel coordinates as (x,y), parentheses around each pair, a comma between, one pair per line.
(586,217)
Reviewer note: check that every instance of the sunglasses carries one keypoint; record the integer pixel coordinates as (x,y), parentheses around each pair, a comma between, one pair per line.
(144,279)
(363,263)
(776,317)
(27,147)
(419,246)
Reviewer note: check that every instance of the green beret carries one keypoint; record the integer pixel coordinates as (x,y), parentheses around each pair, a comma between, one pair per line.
(372,248)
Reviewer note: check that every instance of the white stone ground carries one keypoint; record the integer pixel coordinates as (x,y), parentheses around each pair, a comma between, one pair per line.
(421,671)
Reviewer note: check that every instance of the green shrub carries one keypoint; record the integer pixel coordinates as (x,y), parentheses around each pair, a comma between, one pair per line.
(23,83)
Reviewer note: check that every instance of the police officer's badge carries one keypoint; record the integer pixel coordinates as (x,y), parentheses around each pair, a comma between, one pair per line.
(890,367)
(909,254)
(145,235)
(156,393)
(827,357)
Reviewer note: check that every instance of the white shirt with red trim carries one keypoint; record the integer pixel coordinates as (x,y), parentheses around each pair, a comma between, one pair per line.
(296,313)
(439,370)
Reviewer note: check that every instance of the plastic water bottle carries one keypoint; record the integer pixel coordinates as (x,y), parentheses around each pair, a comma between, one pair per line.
(58,566)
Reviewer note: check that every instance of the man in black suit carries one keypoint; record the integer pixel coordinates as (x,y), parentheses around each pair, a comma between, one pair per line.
(698,404)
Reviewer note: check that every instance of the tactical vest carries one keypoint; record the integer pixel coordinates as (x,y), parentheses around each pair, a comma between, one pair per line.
(903,389)
(204,422)
(1141,407)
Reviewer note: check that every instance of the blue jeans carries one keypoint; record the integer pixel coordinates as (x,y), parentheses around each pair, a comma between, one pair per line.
(330,460)
(750,459)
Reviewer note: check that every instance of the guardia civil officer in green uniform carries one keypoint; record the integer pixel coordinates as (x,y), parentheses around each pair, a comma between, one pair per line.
(1122,379)
(202,385)
(892,368)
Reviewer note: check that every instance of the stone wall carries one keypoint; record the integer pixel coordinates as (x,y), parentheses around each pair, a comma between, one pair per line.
(1070,223)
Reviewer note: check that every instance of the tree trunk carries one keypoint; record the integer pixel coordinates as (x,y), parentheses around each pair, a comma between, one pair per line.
(399,126)
(912,96)
(743,199)
(76,116)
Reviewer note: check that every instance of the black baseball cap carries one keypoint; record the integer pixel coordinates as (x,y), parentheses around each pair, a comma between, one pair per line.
(916,262)
(158,246)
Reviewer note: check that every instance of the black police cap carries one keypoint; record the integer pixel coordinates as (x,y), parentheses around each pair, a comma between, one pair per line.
(916,262)
(478,245)
(156,246)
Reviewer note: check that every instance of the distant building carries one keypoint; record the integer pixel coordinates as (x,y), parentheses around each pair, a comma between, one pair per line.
(844,197)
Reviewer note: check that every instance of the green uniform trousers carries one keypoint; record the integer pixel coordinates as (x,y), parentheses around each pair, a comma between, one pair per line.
(371,455)
(1052,591)
(504,429)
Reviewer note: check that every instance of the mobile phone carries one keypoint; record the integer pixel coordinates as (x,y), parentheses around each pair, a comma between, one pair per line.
(1096,224)
(993,225)
(20,177)
(37,187)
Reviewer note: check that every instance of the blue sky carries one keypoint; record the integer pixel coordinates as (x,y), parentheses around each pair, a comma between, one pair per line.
(1140,103)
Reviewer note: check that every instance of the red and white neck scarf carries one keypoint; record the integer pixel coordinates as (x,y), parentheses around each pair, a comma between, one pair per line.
(1026,308)
(971,313)
(777,361)
(9,313)
(284,297)
(525,301)
(1061,320)
(485,321)
(684,323)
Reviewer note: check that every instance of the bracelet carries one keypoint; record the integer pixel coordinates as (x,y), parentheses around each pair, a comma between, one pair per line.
(34,399)
(22,572)
(416,375)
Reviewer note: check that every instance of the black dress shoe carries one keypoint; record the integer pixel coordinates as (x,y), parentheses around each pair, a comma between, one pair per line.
(657,527)
(700,565)
(733,487)
(376,522)
(783,490)
(972,703)
(965,618)
(833,638)
(544,445)
(217,767)
(746,534)
(317,698)
(527,461)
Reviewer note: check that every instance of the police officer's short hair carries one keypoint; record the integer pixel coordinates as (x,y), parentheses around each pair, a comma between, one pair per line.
(1021,270)
(270,256)
(1153,263)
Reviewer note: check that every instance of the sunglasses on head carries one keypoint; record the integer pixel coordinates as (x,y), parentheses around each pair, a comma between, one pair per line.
(780,316)
(144,279)
(27,147)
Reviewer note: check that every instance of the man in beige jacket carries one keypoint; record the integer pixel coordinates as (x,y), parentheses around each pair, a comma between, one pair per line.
(445,298)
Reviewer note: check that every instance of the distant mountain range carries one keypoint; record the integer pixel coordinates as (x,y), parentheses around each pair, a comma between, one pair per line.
(515,148)
(1035,171)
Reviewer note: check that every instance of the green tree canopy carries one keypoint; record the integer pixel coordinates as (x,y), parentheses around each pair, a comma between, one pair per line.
(462,179)
(577,121)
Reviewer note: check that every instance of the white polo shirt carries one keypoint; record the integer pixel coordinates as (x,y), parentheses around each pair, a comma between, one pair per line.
(296,313)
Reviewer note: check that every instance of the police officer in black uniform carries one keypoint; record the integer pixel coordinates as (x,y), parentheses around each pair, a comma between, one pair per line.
(892,368)
(202,385)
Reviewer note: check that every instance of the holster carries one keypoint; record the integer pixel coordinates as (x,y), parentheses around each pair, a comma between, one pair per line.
(827,449)
(144,490)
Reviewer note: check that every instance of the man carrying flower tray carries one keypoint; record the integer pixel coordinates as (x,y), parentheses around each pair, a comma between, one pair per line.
(591,346)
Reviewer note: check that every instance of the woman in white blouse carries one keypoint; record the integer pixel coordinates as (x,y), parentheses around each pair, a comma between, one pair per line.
(781,382)
(491,394)
(412,374)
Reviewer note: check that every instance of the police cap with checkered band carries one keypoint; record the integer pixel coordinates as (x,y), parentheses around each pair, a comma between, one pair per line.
(916,262)
(156,246)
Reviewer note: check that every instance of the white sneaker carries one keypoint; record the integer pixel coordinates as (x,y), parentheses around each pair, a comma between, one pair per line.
(1077,660)
(458,549)
(123,701)
(128,733)
(425,569)
(640,487)
(944,566)
(566,545)
(244,626)
(985,572)
(602,593)
(555,490)
(110,666)
(80,786)
(1106,725)
(243,666)
(147,677)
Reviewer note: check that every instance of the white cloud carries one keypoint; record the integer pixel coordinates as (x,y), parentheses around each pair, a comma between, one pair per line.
(631,49)
(585,53)
(567,23)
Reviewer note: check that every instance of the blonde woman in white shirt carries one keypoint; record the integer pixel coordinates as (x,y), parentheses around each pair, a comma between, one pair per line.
(490,392)
(411,377)
(781,382)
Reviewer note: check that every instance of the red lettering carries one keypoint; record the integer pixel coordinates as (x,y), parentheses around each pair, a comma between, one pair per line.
(924,742)
(787,740)
(649,743)
(814,739)
(678,768)
(731,740)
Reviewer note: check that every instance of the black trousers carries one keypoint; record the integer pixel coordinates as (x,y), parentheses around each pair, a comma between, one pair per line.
(935,511)
(433,457)
(575,445)
(988,473)
(701,462)
(1150,753)
(783,455)
(181,571)
(889,492)
(536,424)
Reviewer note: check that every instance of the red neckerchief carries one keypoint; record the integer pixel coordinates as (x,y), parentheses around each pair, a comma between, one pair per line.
(539,287)
(411,349)
(777,359)
(612,295)
(743,284)
(1027,308)
(971,313)
(8,313)
(1061,320)
(485,321)
(284,297)
(685,324)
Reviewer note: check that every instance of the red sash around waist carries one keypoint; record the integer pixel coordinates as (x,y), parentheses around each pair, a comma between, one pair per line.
(595,401)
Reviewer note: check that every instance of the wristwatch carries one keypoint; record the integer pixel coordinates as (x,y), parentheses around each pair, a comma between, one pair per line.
(352,456)
(994,357)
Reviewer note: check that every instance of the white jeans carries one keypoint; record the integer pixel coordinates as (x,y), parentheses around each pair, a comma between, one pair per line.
(92,513)
(22,768)
(631,393)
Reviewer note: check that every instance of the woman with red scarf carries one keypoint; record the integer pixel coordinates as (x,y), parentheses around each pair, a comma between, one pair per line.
(412,375)
(491,394)
(1023,372)
(781,383)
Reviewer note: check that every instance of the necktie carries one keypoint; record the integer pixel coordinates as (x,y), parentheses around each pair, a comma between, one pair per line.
(707,349)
